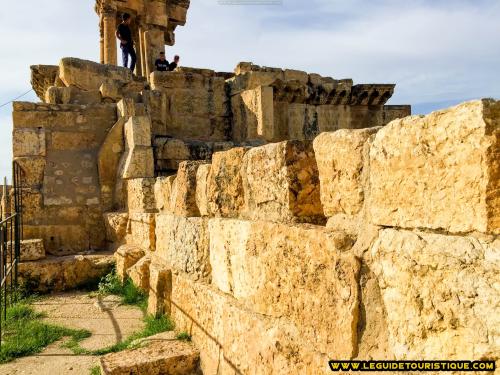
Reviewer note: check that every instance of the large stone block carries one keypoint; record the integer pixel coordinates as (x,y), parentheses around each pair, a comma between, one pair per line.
(116,226)
(139,273)
(156,105)
(55,274)
(201,188)
(138,131)
(33,168)
(29,142)
(232,339)
(94,118)
(296,272)
(281,183)
(183,245)
(72,141)
(183,197)
(225,186)
(61,239)
(88,75)
(440,293)
(142,230)
(163,191)
(341,156)
(137,162)
(29,250)
(253,114)
(171,357)
(125,257)
(440,171)
(160,286)
(71,95)
(140,195)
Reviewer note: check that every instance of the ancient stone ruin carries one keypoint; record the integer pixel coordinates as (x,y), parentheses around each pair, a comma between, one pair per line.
(280,217)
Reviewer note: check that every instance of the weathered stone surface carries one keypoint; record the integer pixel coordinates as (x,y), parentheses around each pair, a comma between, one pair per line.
(95,118)
(137,162)
(340,156)
(225,186)
(234,340)
(29,142)
(160,357)
(281,183)
(183,245)
(139,273)
(138,131)
(140,195)
(441,294)
(116,226)
(71,95)
(33,168)
(88,75)
(160,286)
(30,250)
(253,113)
(155,103)
(108,161)
(440,171)
(126,256)
(183,195)
(61,239)
(42,77)
(201,188)
(65,273)
(163,191)
(142,230)
(297,272)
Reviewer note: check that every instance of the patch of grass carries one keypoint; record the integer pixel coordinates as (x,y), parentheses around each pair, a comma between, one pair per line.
(183,336)
(130,294)
(24,333)
(96,370)
(154,325)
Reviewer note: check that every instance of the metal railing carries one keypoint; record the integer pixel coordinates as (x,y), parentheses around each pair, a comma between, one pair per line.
(11,234)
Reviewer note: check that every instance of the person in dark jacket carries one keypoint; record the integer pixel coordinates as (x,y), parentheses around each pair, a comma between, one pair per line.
(161,63)
(124,34)
(174,63)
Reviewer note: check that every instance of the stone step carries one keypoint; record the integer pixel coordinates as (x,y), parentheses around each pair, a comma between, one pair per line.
(30,250)
(55,274)
(172,357)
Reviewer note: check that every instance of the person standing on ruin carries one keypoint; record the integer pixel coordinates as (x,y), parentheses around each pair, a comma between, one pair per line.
(124,34)
(161,63)
(174,63)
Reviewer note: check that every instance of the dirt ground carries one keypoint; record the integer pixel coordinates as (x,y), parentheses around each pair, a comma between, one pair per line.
(106,318)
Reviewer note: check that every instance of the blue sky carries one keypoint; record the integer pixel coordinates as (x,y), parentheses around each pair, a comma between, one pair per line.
(438,52)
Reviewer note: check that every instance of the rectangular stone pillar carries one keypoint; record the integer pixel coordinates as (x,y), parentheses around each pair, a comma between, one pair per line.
(154,43)
(109,25)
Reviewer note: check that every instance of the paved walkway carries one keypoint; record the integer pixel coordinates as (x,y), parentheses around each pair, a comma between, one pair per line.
(108,321)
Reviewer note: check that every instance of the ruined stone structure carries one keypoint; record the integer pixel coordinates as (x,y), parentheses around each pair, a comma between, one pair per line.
(281,218)
(154,23)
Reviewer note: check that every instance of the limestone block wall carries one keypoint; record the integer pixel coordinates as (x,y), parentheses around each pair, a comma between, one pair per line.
(57,147)
(368,243)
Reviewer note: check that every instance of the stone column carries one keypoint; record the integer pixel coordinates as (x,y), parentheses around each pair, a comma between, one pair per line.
(138,52)
(154,43)
(109,25)
(101,40)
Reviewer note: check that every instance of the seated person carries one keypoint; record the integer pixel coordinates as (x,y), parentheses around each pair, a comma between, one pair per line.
(174,63)
(161,64)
